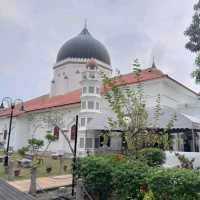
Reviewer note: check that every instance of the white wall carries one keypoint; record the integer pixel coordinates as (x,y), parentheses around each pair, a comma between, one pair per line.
(172,160)
(69,69)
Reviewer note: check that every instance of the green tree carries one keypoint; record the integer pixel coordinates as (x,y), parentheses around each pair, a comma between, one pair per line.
(129,106)
(193,33)
(34,146)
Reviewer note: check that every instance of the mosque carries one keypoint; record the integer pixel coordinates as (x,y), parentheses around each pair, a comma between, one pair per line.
(77,89)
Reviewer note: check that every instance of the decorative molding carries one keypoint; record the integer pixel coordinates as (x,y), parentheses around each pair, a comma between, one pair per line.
(81,61)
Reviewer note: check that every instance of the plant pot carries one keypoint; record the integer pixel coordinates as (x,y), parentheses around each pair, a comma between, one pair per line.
(65,168)
(1,159)
(48,169)
(17,172)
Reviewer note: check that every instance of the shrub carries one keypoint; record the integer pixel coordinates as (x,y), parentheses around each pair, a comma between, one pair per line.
(23,151)
(185,162)
(104,175)
(152,156)
(96,174)
(134,180)
(128,178)
(174,184)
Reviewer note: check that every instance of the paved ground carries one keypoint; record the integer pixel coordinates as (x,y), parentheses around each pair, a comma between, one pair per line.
(43,183)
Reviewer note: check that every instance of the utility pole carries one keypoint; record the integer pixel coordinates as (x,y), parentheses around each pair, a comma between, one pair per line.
(74,157)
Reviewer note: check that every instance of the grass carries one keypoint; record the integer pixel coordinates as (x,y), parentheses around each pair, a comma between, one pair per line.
(41,170)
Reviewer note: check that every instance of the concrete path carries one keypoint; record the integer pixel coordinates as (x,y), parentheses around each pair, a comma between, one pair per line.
(43,183)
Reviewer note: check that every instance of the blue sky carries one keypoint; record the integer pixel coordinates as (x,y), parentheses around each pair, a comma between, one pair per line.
(31,33)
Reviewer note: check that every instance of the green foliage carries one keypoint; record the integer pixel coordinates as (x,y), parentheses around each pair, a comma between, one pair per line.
(196,73)
(131,114)
(35,144)
(149,196)
(126,179)
(23,151)
(174,184)
(185,162)
(193,31)
(105,174)
(193,44)
(129,106)
(152,156)
(96,173)
(50,138)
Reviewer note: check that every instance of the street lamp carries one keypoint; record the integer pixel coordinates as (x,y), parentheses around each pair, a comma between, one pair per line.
(11,104)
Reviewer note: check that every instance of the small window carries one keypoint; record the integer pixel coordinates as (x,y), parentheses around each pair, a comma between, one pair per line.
(84,90)
(92,75)
(91,90)
(56,132)
(97,106)
(88,142)
(97,143)
(83,122)
(83,104)
(90,105)
(92,67)
(81,145)
(73,132)
(97,90)
(88,120)
(5,133)
(84,76)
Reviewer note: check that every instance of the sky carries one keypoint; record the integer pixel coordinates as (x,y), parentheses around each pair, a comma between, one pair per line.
(31,33)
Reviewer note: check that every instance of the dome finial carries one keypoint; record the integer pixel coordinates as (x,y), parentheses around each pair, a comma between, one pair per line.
(153,64)
(85,24)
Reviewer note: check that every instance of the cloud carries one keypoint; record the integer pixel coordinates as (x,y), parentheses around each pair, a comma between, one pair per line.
(32,32)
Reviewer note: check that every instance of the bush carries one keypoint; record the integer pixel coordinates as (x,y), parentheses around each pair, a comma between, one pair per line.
(23,151)
(131,180)
(96,174)
(104,175)
(152,156)
(174,184)
(128,178)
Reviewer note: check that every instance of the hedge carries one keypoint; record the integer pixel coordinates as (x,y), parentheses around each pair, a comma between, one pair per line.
(105,176)
(152,156)
(174,184)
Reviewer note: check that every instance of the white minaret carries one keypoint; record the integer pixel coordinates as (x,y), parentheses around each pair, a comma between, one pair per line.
(90,105)
(90,94)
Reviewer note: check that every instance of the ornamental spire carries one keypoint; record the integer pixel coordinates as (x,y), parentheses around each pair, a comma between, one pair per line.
(153,64)
(85,24)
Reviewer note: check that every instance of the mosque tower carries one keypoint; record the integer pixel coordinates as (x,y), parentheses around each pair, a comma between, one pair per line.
(72,60)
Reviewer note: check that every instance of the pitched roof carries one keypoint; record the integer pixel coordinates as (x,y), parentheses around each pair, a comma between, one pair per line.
(7,192)
(45,101)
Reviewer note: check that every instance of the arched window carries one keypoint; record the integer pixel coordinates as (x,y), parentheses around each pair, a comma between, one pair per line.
(5,134)
(73,132)
(56,132)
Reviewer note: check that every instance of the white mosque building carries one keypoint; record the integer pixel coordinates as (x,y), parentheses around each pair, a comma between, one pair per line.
(76,89)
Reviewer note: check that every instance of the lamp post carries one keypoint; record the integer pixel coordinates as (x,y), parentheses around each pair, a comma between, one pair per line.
(11,104)
(74,156)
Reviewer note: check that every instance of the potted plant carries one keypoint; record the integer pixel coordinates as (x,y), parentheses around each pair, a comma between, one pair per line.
(17,172)
(48,169)
(65,168)
(1,159)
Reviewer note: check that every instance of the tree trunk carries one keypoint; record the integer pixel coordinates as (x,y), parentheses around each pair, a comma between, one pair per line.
(10,170)
(61,169)
(33,189)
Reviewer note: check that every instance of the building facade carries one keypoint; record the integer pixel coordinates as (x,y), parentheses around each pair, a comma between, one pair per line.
(77,89)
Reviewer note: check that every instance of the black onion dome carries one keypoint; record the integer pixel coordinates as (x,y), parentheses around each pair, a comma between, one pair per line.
(84,46)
